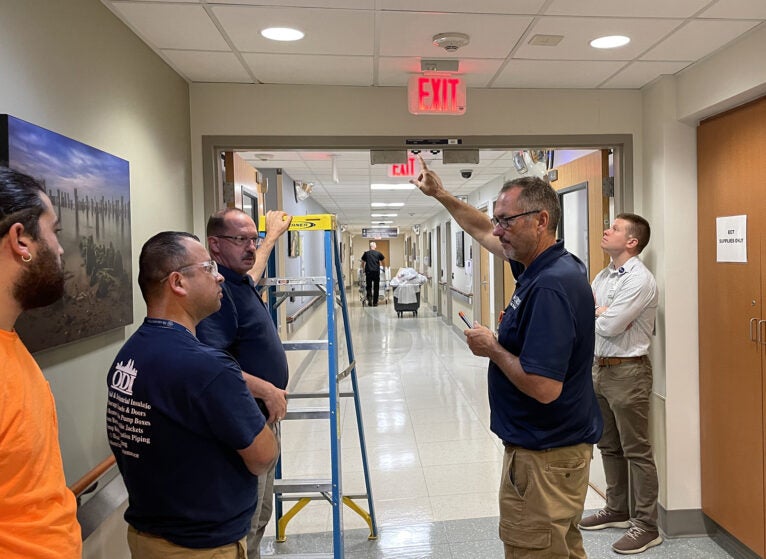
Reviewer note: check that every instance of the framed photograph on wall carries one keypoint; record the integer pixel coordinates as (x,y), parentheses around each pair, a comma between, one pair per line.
(90,192)
(459,249)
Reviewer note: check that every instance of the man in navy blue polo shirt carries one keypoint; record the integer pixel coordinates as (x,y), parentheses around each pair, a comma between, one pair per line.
(188,438)
(541,396)
(243,327)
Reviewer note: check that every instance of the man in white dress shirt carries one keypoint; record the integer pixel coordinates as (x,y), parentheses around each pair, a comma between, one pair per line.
(626,306)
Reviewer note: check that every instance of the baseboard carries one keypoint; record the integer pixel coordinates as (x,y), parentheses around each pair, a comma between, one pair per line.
(694,522)
(682,523)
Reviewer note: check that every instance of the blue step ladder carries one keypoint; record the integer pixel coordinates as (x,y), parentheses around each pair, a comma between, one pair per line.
(302,491)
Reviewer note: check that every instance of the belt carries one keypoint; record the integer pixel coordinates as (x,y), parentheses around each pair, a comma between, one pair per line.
(612,361)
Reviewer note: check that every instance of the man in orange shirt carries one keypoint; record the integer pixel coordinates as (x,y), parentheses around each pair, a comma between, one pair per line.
(37,511)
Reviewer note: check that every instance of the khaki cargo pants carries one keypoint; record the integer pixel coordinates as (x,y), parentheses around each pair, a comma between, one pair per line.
(542,494)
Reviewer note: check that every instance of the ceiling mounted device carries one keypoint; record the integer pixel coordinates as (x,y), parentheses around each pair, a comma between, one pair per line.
(451,41)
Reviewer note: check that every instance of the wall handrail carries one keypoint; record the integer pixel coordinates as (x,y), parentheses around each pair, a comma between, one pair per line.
(460,291)
(314,300)
(82,485)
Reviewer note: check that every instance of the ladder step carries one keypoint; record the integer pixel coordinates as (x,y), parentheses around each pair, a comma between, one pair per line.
(308,413)
(305,345)
(302,485)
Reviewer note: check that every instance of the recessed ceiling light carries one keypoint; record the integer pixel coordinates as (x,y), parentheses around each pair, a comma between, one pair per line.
(384,205)
(402,186)
(282,34)
(610,42)
(384,215)
(382,222)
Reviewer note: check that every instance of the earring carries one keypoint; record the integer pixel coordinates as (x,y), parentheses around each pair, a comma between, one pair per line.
(27,259)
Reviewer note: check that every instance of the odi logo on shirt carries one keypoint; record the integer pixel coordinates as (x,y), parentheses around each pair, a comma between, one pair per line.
(123,376)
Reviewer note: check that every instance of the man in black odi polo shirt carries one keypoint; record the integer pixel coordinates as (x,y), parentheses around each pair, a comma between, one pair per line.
(187,436)
(243,327)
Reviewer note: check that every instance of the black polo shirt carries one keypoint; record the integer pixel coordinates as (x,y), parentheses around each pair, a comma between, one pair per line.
(243,327)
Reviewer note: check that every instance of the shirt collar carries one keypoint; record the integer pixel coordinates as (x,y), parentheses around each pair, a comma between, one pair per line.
(233,277)
(543,260)
(631,263)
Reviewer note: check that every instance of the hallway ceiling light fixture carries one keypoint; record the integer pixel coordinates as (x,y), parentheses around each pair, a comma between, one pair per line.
(610,42)
(282,34)
(387,205)
(400,186)
(384,215)
(382,222)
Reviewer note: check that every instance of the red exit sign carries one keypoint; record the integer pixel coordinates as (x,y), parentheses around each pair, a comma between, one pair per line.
(403,169)
(436,95)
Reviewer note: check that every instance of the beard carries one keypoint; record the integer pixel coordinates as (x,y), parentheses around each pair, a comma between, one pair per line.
(42,281)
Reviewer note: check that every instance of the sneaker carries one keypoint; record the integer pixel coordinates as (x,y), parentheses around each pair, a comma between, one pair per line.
(637,540)
(605,519)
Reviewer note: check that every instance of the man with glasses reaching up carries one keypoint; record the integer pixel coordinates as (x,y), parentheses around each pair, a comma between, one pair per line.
(243,327)
(187,436)
(542,403)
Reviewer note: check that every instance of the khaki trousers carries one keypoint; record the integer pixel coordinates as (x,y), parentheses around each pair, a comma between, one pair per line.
(542,495)
(263,509)
(148,546)
(623,393)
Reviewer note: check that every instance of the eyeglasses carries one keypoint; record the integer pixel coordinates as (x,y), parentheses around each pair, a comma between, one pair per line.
(239,240)
(506,222)
(210,266)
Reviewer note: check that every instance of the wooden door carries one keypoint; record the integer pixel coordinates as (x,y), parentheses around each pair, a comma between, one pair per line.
(484,286)
(731,166)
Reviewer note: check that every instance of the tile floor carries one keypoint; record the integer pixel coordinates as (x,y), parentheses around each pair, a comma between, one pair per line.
(434,464)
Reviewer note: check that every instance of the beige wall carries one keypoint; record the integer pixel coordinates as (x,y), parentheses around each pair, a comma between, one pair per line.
(73,68)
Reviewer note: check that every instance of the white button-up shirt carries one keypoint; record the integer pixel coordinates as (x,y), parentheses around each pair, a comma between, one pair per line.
(630,293)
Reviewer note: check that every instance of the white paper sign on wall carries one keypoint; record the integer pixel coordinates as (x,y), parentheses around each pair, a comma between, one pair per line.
(731,238)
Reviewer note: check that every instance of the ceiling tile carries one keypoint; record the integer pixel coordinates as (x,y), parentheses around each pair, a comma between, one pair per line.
(172,26)
(349,4)
(342,32)
(741,9)
(559,74)
(638,74)
(461,6)
(301,69)
(698,39)
(627,8)
(578,32)
(221,67)
(411,34)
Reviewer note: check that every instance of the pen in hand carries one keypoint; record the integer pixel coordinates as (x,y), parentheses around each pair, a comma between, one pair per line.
(462,315)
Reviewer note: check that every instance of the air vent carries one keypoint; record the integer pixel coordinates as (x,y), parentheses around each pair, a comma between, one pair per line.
(546,40)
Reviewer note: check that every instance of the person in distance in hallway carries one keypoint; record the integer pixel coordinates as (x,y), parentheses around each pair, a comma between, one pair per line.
(626,306)
(372,260)
(188,437)
(542,403)
(38,513)
(243,327)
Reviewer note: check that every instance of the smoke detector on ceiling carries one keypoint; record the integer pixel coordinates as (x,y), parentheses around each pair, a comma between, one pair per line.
(451,41)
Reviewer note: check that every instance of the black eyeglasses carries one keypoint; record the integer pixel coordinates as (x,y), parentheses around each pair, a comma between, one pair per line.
(239,240)
(210,266)
(506,222)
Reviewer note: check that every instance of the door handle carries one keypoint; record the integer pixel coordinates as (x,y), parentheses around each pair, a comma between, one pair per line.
(754,333)
(485,283)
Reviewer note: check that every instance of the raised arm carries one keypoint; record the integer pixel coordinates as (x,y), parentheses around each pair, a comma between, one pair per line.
(277,222)
(471,220)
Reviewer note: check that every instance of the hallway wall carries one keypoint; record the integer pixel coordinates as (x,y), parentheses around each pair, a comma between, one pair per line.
(73,68)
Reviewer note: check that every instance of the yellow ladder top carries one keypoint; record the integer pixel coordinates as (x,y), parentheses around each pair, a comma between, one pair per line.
(316,222)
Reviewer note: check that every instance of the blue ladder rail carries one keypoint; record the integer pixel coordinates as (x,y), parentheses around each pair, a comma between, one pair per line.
(332,489)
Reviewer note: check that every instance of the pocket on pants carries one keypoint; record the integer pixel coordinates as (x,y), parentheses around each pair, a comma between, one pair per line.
(524,537)
(520,526)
